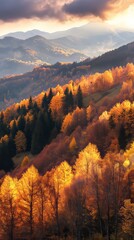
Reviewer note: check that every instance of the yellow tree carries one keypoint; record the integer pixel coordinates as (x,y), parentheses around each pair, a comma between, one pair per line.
(28,189)
(86,159)
(60,177)
(56,106)
(8,207)
(44,209)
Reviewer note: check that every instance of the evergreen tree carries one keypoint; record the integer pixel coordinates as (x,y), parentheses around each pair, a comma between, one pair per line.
(13,130)
(50,95)
(21,123)
(79,98)
(11,147)
(28,134)
(45,103)
(68,101)
(30,104)
(39,135)
(35,108)
(6,162)
(122,138)
(111,122)
(23,110)
(3,127)
(71,101)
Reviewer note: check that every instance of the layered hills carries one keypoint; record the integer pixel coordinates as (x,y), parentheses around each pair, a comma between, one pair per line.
(20,52)
(15,88)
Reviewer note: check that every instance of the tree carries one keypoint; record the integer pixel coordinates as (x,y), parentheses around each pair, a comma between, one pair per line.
(20,141)
(86,158)
(50,96)
(73,145)
(68,101)
(28,191)
(127,213)
(45,102)
(13,130)
(79,98)
(122,138)
(8,207)
(6,155)
(39,137)
(30,104)
(21,123)
(59,178)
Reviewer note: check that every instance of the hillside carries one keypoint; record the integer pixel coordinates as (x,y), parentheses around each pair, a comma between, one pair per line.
(117,57)
(15,88)
(99,91)
(67,150)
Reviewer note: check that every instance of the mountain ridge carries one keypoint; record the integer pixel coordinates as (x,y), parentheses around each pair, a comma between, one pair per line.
(33,82)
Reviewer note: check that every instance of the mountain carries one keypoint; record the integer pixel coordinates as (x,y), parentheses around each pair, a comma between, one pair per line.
(92,39)
(117,57)
(33,52)
(25,35)
(15,88)
(20,51)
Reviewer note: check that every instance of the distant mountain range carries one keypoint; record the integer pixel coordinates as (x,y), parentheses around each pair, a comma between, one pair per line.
(18,56)
(21,51)
(16,88)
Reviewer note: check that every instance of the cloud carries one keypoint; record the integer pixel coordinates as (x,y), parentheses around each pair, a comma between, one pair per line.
(12,10)
(98,8)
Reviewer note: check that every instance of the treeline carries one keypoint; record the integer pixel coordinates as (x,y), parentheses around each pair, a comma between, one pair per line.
(35,122)
(32,125)
(93,199)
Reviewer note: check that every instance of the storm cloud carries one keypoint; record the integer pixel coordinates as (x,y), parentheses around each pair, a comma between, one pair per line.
(98,8)
(12,10)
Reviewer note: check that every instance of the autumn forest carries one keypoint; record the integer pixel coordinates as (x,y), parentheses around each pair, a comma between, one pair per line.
(67,161)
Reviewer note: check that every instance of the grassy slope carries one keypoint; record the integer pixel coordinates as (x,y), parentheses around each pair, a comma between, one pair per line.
(99,97)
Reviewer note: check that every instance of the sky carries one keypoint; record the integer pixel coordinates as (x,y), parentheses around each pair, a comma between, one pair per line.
(55,15)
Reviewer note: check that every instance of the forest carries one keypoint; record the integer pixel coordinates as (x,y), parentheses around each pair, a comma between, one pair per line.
(79,183)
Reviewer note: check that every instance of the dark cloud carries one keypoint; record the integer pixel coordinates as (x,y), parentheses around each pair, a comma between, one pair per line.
(11,10)
(99,8)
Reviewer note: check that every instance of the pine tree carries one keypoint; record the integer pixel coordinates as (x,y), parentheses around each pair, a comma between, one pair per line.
(122,138)
(28,133)
(50,96)
(111,122)
(79,98)
(6,162)
(21,123)
(45,103)
(66,101)
(71,101)
(13,130)
(39,135)
(3,127)
(30,104)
